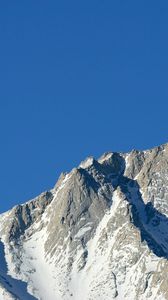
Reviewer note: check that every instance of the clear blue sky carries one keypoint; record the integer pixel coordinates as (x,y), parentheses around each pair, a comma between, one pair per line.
(77,78)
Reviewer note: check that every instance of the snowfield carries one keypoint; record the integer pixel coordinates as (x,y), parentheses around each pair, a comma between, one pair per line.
(100,234)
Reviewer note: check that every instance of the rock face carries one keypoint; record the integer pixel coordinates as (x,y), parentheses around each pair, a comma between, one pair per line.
(100,234)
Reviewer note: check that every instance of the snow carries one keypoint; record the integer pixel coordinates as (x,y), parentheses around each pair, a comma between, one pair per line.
(40,269)
(82,231)
(127,163)
(42,282)
(35,269)
(105,157)
(95,262)
(52,279)
(86,163)
(67,177)
(11,288)
(5,295)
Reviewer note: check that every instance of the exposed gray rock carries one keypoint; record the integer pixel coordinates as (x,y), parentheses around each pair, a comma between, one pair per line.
(101,233)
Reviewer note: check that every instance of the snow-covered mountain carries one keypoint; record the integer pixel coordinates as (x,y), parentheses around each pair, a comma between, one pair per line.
(101,233)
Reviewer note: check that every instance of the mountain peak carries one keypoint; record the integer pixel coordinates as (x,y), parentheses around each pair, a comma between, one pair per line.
(101,233)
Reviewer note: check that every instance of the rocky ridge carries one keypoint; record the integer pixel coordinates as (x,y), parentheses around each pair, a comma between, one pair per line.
(101,233)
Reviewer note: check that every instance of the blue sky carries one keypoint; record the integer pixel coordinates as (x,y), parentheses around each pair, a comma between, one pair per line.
(77,78)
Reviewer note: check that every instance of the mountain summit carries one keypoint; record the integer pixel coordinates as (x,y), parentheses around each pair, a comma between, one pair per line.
(100,234)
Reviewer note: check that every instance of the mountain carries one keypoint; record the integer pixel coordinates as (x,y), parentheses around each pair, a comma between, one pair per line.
(101,233)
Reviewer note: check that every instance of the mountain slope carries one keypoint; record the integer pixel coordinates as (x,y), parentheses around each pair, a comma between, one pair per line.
(101,233)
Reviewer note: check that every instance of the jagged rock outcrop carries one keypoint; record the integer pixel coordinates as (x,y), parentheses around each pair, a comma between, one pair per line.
(101,233)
